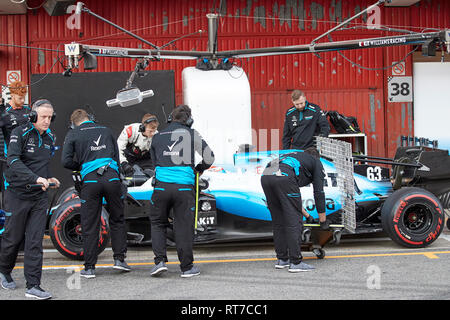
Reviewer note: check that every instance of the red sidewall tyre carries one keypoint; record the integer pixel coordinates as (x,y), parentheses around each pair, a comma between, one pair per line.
(66,195)
(65,230)
(413,217)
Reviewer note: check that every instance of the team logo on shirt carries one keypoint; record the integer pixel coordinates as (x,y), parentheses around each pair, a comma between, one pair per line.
(97,142)
(173,145)
(170,152)
(294,121)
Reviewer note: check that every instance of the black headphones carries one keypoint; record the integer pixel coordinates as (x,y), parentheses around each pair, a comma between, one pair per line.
(189,121)
(142,125)
(33,116)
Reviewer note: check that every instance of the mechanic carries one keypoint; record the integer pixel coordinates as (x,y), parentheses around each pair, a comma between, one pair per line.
(173,150)
(97,158)
(302,122)
(30,148)
(12,115)
(281,181)
(134,143)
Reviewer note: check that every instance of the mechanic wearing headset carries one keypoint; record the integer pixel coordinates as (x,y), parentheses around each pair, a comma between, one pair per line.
(97,158)
(134,143)
(31,146)
(173,150)
(302,122)
(281,181)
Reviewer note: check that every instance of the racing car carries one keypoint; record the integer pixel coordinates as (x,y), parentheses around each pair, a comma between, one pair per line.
(409,206)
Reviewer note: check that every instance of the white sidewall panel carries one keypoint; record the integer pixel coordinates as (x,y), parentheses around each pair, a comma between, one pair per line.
(432,102)
(221,108)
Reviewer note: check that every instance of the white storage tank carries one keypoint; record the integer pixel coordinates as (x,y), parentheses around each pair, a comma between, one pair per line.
(221,108)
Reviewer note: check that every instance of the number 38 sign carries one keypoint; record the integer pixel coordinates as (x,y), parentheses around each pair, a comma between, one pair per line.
(400,89)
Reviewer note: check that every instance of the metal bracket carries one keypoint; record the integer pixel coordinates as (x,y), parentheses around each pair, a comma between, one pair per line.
(340,153)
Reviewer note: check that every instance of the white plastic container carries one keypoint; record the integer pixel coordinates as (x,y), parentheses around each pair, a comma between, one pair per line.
(221,108)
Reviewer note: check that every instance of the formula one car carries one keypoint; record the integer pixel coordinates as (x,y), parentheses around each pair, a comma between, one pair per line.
(409,206)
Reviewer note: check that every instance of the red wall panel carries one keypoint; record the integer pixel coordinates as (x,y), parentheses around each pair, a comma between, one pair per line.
(13,31)
(268,111)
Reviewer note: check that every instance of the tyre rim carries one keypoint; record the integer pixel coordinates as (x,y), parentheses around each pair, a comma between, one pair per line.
(418,218)
(72,233)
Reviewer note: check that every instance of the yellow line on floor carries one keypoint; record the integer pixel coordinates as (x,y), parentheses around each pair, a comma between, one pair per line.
(430,255)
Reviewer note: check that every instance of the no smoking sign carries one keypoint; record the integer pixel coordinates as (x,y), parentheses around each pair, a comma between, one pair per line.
(12,76)
(399,69)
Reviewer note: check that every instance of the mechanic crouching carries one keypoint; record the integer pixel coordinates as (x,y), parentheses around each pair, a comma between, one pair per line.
(97,158)
(26,202)
(173,150)
(134,144)
(281,181)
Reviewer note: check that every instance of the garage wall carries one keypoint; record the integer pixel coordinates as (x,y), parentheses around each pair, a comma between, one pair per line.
(432,101)
(328,80)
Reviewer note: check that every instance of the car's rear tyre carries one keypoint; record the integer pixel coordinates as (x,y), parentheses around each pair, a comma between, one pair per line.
(66,195)
(412,217)
(65,230)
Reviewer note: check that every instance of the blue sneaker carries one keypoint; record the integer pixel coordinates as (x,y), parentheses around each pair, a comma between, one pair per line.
(121,265)
(158,269)
(7,282)
(300,267)
(37,293)
(87,273)
(194,271)
(281,264)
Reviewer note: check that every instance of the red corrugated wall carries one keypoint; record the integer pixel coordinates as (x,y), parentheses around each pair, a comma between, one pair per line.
(13,30)
(328,80)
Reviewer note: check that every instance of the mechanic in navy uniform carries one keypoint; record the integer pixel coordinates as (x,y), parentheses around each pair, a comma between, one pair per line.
(173,150)
(134,143)
(281,181)
(97,159)
(12,115)
(31,146)
(302,122)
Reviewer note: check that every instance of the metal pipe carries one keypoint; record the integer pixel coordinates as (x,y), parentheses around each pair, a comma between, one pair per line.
(212,32)
(347,21)
(120,28)
(391,163)
(370,157)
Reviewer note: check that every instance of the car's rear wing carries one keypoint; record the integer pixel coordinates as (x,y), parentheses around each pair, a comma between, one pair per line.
(340,153)
(418,166)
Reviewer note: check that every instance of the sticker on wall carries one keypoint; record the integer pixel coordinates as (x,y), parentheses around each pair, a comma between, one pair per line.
(399,69)
(13,76)
(400,89)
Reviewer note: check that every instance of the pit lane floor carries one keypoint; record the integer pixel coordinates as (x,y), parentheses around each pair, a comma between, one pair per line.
(360,267)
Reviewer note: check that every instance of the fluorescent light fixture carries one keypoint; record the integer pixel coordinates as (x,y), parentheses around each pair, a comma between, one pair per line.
(129,97)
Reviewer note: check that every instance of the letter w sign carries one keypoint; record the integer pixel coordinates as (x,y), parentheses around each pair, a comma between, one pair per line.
(72,49)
